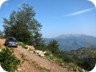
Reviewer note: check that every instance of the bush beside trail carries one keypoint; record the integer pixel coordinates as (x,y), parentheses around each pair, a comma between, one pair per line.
(8,61)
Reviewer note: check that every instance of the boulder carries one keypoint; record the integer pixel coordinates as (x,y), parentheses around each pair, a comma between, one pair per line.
(40,53)
(29,47)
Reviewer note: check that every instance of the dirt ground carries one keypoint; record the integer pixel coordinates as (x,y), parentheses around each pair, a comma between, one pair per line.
(31,62)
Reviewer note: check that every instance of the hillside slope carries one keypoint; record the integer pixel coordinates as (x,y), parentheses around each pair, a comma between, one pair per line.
(84,57)
(31,62)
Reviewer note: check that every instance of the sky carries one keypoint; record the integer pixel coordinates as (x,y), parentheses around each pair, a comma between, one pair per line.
(57,16)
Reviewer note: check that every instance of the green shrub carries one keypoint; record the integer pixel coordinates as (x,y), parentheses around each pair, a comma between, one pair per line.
(22,44)
(53,46)
(48,53)
(8,61)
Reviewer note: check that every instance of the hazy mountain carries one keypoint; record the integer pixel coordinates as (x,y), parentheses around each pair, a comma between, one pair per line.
(74,41)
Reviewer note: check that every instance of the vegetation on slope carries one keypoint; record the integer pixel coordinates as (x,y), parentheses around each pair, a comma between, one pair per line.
(8,61)
(84,57)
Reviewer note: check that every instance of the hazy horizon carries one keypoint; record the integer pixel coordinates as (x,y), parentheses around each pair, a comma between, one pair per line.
(69,35)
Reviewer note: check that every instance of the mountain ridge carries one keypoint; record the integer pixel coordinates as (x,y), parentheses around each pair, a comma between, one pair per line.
(74,41)
(73,35)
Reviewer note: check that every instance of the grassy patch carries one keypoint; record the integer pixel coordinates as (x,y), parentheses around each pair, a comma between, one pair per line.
(22,44)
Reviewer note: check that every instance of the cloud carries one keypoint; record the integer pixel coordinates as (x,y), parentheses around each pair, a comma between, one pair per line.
(80,12)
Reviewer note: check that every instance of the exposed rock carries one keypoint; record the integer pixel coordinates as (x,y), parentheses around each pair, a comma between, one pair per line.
(19,69)
(32,52)
(40,53)
(0,50)
(29,47)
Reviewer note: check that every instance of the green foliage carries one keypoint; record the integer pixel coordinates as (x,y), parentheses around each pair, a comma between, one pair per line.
(63,60)
(42,47)
(22,44)
(87,63)
(84,58)
(53,49)
(8,61)
(53,46)
(65,57)
(48,53)
(23,26)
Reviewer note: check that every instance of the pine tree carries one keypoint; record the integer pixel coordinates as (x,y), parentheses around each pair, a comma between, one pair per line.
(53,46)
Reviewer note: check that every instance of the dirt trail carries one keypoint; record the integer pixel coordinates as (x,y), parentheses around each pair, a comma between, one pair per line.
(44,62)
(35,63)
(2,41)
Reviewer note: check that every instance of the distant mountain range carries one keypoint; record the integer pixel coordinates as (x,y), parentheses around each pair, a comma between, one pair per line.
(74,41)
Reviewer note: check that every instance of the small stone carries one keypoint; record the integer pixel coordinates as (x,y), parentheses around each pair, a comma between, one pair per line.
(0,50)
(19,69)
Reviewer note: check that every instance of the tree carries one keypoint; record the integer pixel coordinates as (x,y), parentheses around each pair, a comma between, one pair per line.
(53,46)
(24,26)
